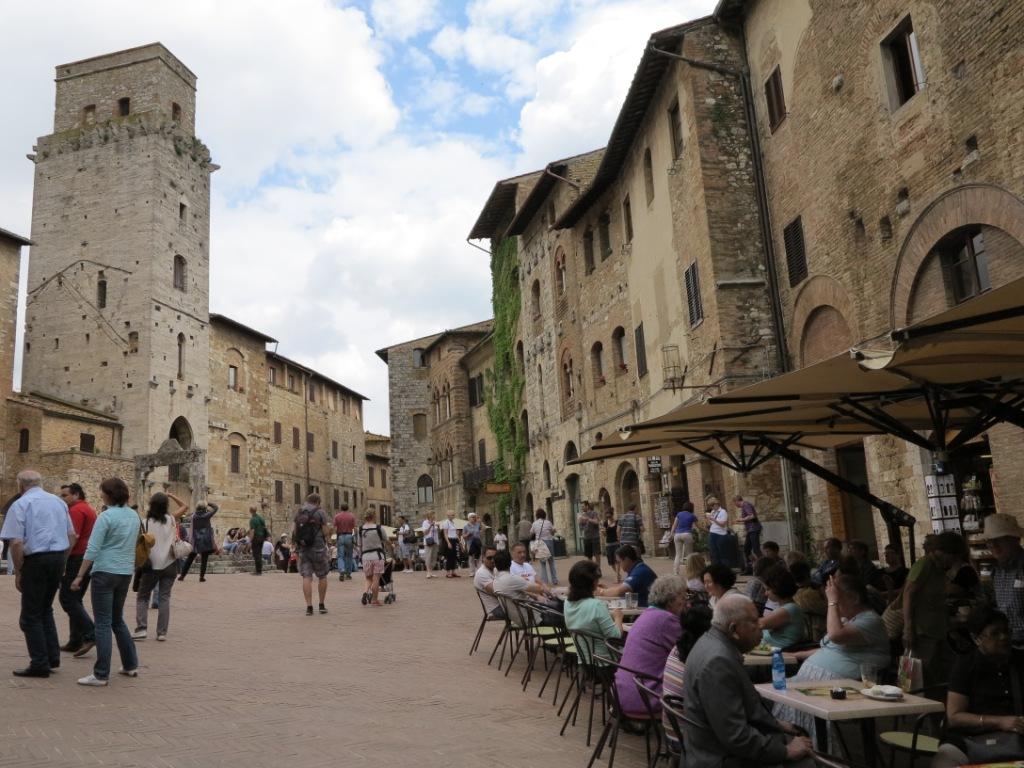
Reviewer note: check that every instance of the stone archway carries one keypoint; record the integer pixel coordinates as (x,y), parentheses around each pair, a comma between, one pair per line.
(628,486)
(971,204)
(823,320)
(191,462)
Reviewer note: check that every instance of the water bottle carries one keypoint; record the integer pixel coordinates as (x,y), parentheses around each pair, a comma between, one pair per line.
(778,670)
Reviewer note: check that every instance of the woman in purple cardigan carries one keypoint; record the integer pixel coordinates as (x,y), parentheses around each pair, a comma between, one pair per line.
(651,639)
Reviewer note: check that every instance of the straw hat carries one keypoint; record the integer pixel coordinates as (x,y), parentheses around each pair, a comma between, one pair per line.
(1000,525)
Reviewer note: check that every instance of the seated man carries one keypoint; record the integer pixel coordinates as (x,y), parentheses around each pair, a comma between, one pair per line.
(510,585)
(483,580)
(639,576)
(770,549)
(522,568)
(726,723)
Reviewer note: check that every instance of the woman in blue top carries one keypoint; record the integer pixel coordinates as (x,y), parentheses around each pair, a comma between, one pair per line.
(111,555)
(784,626)
(682,534)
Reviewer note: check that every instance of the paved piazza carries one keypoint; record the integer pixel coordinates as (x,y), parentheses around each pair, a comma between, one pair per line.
(246,679)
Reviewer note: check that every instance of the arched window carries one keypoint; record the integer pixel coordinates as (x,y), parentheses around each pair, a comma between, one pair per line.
(547,474)
(180,272)
(437,407)
(520,358)
(648,176)
(181,355)
(619,348)
(447,401)
(560,272)
(425,490)
(525,420)
(23,440)
(451,465)
(597,362)
(535,297)
(235,361)
(568,377)
(236,453)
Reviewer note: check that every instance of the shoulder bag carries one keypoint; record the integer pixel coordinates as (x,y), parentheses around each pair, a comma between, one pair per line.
(999,745)
(143,544)
(180,549)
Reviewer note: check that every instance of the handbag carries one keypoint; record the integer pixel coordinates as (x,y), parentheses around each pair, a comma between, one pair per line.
(180,549)
(892,618)
(143,544)
(539,550)
(998,745)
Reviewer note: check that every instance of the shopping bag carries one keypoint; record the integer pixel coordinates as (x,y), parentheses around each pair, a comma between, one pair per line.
(911,674)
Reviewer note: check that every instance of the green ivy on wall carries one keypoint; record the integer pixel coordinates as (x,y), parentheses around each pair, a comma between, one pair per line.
(505,383)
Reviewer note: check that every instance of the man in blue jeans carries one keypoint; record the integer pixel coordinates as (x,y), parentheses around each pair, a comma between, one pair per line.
(40,534)
(344,526)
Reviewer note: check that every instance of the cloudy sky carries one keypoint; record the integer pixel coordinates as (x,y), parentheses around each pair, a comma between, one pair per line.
(358,141)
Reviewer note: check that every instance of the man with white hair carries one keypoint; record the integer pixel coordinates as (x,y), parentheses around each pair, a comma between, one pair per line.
(41,533)
(727,723)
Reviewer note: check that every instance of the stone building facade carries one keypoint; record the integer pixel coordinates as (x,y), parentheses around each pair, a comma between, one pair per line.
(10,269)
(379,496)
(121,352)
(432,421)
(117,314)
(893,159)
(643,286)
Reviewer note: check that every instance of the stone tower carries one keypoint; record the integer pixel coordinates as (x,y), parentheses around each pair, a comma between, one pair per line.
(118,289)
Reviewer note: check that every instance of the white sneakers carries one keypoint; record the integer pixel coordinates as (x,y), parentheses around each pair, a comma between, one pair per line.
(93,681)
(128,672)
(161,638)
(139,634)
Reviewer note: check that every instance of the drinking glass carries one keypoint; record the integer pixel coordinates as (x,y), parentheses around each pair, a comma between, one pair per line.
(631,600)
(869,675)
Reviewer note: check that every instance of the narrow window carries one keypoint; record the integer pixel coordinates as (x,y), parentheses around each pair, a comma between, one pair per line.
(568,378)
(309,442)
(560,272)
(902,58)
(175,112)
(965,263)
(101,293)
(180,269)
(89,114)
(588,251)
(124,106)
(272,374)
(277,432)
(447,402)
(472,393)
(604,234)
(425,490)
(694,306)
(619,348)
(344,495)
(641,351)
(56,343)
(796,257)
(133,342)
(535,296)
(675,127)
(182,212)
(291,382)
(232,377)
(775,99)
(334,449)
(23,441)
(419,425)
(373,475)
(87,443)
(353,453)
(297,493)
(236,459)
(648,176)
(312,392)
(597,362)
(279,491)
(417,358)
(337,498)
(181,355)
(482,450)
(627,219)
(295,438)
(383,478)
(480,396)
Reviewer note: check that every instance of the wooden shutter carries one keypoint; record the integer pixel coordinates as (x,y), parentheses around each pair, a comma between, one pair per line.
(796,258)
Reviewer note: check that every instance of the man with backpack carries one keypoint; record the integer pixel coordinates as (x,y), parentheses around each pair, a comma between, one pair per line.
(309,534)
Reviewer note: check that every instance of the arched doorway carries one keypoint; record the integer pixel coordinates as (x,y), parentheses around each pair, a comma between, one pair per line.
(628,487)
(180,432)
(604,501)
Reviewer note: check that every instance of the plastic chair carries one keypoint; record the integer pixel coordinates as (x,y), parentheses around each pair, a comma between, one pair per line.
(587,674)
(511,639)
(653,704)
(488,618)
(560,645)
(913,742)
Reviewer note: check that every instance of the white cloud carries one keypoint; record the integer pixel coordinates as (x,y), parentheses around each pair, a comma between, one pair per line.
(520,16)
(402,19)
(584,85)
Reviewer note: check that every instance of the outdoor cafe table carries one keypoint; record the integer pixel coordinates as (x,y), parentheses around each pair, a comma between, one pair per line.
(825,709)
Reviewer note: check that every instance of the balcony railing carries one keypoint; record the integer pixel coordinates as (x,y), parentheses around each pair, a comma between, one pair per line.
(477,476)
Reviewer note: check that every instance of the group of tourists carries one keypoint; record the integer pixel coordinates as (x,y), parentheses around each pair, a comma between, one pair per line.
(838,619)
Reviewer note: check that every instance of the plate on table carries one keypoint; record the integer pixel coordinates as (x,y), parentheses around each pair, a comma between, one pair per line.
(883,693)
(761,650)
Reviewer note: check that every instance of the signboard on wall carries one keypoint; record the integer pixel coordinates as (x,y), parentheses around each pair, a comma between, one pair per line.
(498,488)
(654,465)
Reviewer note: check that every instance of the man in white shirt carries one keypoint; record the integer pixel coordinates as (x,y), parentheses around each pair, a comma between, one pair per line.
(483,580)
(522,568)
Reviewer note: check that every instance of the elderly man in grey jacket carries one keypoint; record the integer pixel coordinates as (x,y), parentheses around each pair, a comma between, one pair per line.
(727,725)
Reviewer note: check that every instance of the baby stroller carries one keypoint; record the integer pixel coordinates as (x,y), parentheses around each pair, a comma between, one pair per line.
(386,584)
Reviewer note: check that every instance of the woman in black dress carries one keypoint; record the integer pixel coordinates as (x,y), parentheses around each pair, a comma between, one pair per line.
(611,540)
(203,544)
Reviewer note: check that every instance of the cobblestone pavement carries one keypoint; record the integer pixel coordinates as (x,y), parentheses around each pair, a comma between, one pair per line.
(246,679)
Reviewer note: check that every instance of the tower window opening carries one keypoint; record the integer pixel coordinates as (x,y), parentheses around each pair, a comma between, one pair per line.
(124,106)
